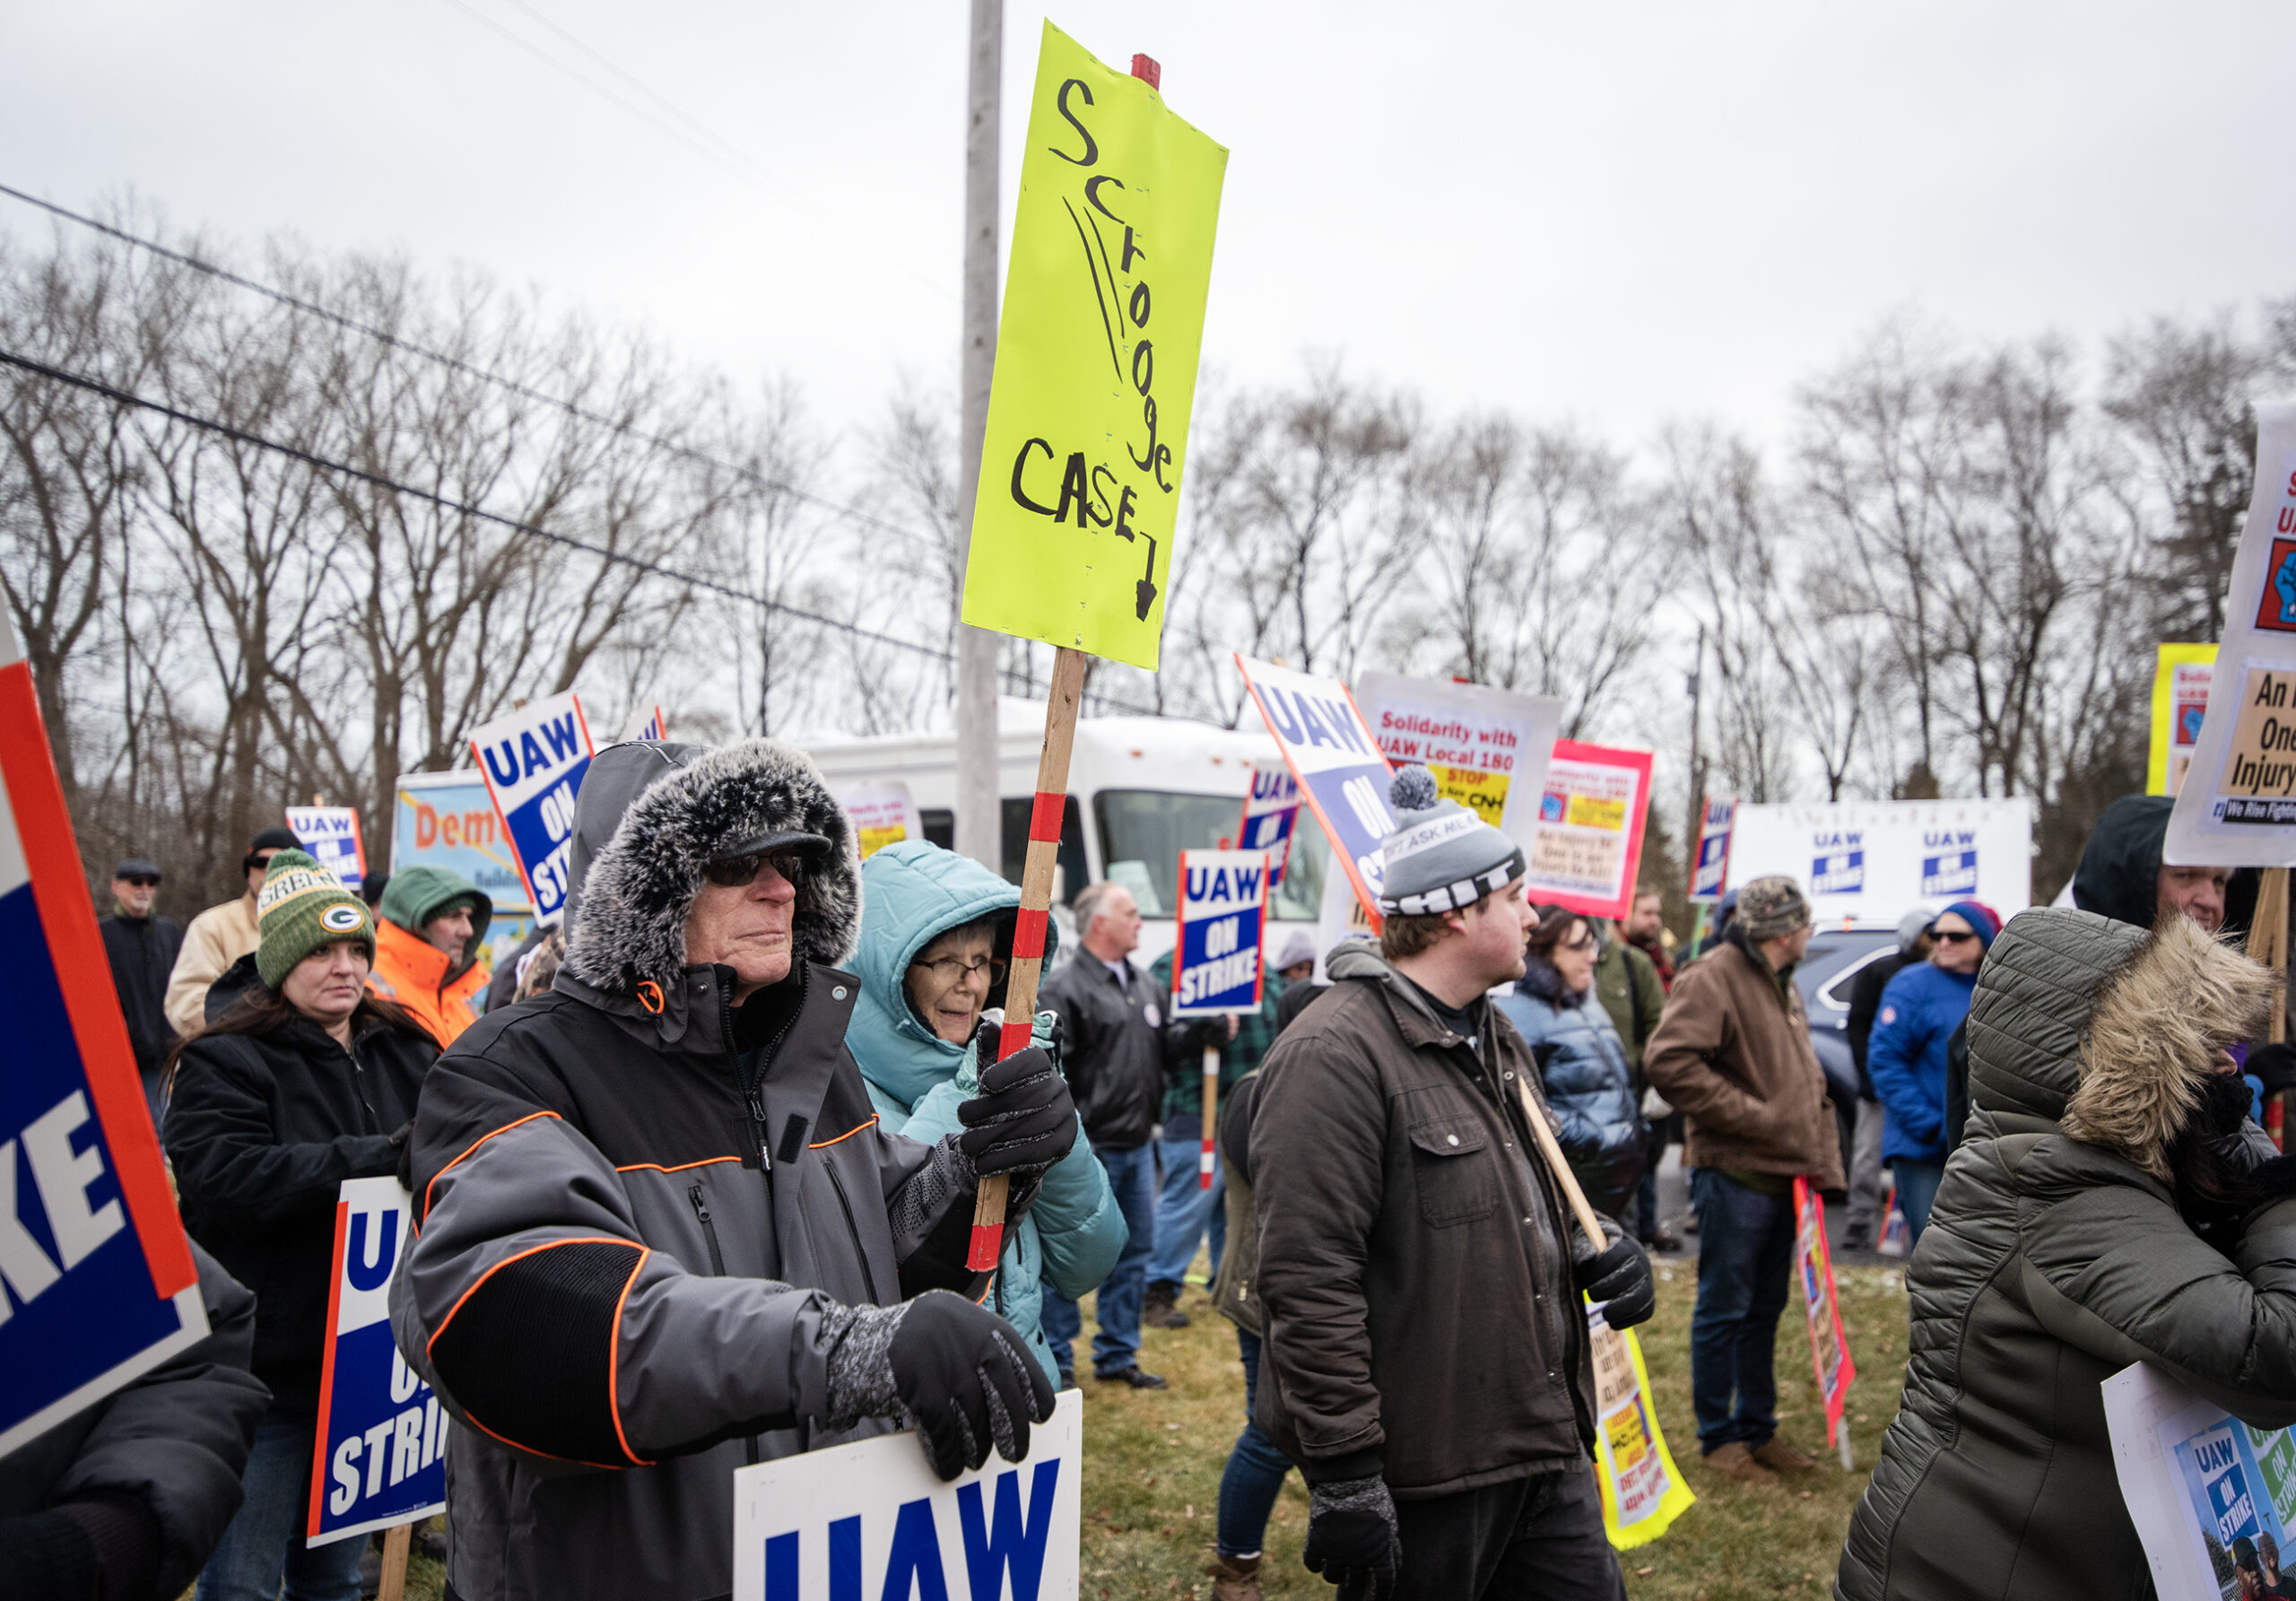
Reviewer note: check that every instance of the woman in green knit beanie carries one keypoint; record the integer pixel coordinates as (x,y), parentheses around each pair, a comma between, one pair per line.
(305,1079)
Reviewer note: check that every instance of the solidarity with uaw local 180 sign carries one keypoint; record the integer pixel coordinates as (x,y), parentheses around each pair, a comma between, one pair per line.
(1224,908)
(1096,358)
(869,1522)
(99,1282)
(534,761)
(381,1448)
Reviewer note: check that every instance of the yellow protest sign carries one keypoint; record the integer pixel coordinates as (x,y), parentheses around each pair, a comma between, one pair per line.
(1096,358)
(2180,678)
(1642,1488)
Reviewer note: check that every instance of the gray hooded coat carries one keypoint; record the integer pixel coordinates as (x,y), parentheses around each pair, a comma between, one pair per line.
(2057,1255)
(642,1212)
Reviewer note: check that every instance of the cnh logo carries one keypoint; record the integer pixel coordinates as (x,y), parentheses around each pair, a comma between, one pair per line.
(998,1542)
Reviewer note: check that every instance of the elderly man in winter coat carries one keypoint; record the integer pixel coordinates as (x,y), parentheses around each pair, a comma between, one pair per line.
(1734,1054)
(1427,1357)
(661,1233)
(2111,1206)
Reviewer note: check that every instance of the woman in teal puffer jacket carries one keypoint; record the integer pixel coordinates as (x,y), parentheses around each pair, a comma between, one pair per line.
(911,1033)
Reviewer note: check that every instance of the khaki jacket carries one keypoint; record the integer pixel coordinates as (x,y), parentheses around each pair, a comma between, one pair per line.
(217,937)
(1733,1054)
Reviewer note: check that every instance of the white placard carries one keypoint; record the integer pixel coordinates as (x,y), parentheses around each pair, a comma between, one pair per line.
(1871,862)
(2237,807)
(1488,748)
(870,1519)
(2194,1477)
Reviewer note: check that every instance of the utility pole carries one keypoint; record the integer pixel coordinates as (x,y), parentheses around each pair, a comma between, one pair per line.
(1697,769)
(980,832)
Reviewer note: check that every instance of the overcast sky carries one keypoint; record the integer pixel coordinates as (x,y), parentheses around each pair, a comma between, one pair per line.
(1618,213)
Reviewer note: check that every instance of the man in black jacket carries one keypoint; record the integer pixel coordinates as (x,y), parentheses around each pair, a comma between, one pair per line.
(143,948)
(1112,1023)
(1863,1228)
(1428,1359)
(661,1230)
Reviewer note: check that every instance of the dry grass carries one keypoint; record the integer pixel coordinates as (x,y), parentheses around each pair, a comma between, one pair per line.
(1152,1462)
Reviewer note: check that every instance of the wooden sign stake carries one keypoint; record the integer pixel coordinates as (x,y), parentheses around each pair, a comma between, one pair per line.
(1551,1149)
(1042,866)
(2268,944)
(396,1542)
(1211,1111)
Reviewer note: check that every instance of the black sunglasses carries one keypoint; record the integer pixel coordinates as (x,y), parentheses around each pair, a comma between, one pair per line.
(739,872)
(1950,937)
(142,882)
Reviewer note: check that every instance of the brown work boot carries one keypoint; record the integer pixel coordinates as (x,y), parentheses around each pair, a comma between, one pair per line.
(1235,1579)
(1774,1453)
(1735,1461)
(1162,1308)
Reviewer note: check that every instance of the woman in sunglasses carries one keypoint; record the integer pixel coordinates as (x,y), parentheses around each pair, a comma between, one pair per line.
(1582,1064)
(936,936)
(1906,1054)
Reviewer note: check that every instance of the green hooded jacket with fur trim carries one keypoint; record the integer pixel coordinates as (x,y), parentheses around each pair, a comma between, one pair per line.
(2055,1257)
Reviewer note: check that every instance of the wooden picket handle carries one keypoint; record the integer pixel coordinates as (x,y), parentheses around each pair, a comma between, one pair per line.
(1551,1149)
(1037,876)
(396,1542)
(2268,944)
(1211,1118)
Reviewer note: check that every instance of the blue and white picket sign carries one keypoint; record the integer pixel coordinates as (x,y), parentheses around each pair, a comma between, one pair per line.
(1331,752)
(331,834)
(1223,909)
(380,1455)
(870,1520)
(96,1285)
(533,762)
(646,721)
(1271,819)
(1711,874)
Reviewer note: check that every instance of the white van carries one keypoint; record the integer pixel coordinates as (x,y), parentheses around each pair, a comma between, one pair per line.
(1140,790)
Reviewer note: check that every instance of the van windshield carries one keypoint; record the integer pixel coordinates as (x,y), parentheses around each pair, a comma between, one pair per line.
(1143,832)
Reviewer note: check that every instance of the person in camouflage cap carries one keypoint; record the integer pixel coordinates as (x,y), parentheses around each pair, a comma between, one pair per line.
(1772,908)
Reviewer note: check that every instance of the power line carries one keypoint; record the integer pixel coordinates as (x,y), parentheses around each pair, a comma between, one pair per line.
(462,508)
(456,364)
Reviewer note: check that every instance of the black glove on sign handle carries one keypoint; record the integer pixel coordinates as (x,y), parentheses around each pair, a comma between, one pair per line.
(1023,1119)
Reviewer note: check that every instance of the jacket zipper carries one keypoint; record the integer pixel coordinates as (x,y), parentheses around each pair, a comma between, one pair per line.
(868,1279)
(709,1230)
(717,1267)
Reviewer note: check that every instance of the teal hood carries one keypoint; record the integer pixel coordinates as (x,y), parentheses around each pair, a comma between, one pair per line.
(911,892)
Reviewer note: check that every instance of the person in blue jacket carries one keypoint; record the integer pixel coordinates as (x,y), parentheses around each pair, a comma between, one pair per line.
(1582,1062)
(937,935)
(1906,1054)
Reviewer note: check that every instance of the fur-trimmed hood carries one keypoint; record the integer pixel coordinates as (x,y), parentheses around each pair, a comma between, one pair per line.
(2157,1038)
(2104,1031)
(662,811)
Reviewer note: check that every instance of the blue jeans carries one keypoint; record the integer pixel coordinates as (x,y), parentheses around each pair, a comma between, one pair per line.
(1132,1175)
(1183,1207)
(1254,1476)
(1745,1251)
(264,1541)
(1918,1184)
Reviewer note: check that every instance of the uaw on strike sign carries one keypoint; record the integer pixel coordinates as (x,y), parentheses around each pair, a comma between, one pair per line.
(869,1522)
(1223,907)
(382,1448)
(96,1285)
(534,761)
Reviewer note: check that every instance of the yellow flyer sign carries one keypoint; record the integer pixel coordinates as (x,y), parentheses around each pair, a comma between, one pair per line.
(2181,679)
(1096,358)
(1643,1490)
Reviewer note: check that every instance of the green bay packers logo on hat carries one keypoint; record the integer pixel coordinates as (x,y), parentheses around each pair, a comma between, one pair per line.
(342,918)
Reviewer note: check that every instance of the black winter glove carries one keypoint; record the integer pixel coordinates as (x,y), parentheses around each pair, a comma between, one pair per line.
(2275,1066)
(1352,1537)
(960,1372)
(402,1151)
(1023,1119)
(1619,1277)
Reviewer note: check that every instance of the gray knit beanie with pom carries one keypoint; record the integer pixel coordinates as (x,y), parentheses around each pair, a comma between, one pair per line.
(1441,858)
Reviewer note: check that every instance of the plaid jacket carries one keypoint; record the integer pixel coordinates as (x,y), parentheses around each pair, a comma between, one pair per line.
(1185,1038)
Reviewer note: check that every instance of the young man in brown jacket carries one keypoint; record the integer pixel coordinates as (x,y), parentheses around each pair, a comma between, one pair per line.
(1426,1359)
(1733,1053)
